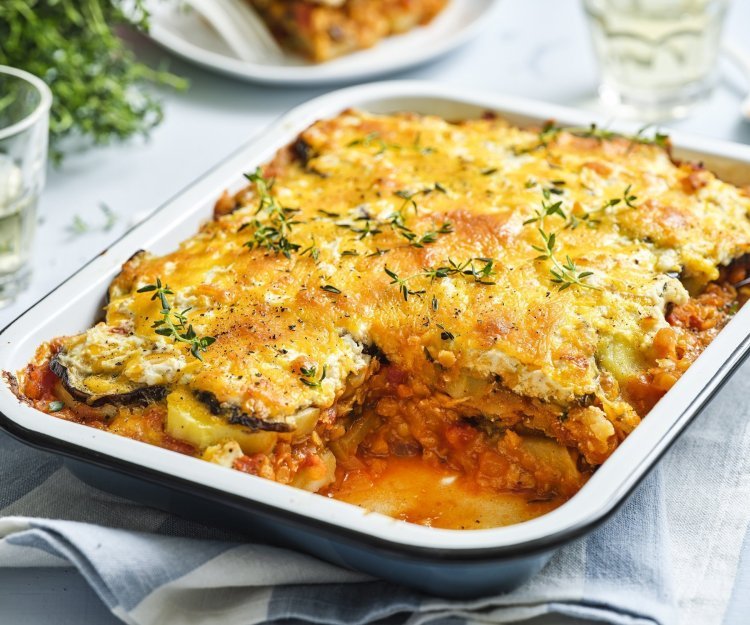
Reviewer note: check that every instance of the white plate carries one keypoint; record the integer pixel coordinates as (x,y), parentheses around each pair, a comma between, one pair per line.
(187,35)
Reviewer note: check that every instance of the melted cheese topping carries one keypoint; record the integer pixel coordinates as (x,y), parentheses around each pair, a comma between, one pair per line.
(374,197)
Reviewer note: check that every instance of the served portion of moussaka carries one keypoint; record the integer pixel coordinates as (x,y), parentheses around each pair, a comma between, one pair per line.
(399,306)
(323,29)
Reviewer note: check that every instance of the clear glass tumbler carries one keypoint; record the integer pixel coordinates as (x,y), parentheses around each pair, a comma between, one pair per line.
(658,58)
(24,119)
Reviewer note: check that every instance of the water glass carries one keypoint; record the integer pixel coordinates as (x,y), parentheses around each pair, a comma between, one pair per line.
(657,58)
(24,118)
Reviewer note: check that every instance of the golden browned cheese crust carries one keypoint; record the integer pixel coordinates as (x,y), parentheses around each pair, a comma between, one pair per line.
(324,29)
(521,277)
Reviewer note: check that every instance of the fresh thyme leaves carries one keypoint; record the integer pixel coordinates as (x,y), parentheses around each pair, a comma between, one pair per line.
(435,304)
(374,138)
(546,135)
(659,139)
(404,194)
(81,226)
(565,274)
(98,85)
(398,224)
(350,253)
(274,235)
(367,225)
(481,274)
(567,277)
(174,324)
(408,198)
(547,209)
(271,238)
(331,289)
(489,171)
(428,237)
(328,213)
(313,250)
(603,134)
(589,218)
(480,269)
(78,225)
(110,217)
(550,131)
(368,230)
(55,406)
(628,197)
(309,376)
(402,284)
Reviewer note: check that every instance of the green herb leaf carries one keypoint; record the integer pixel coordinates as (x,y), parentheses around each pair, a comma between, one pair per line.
(174,324)
(273,234)
(96,81)
(308,376)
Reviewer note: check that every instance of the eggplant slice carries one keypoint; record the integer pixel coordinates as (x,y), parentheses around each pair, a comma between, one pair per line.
(144,395)
(138,396)
(235,416)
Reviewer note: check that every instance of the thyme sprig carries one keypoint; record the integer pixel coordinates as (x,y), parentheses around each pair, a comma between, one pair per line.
(550,131)
(589,218)
(564,274)
(547,209)
(374,138)
(403,287)
(274,234)
(175,324)
(603,134)
(309,374)
(397,223)
(480,273)
(368,226)
(313,250)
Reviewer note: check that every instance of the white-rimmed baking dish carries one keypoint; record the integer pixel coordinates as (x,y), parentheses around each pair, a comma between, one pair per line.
(448,562)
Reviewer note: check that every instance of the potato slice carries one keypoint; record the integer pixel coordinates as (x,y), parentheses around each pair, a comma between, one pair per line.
(191,421)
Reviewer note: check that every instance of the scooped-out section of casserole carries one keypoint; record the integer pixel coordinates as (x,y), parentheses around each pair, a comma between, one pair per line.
(453,323)
(321,30)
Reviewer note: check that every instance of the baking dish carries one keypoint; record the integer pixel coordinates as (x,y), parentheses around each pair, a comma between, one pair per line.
(447,562)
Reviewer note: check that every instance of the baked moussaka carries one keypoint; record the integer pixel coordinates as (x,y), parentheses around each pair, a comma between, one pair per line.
(323,29)
(398,304)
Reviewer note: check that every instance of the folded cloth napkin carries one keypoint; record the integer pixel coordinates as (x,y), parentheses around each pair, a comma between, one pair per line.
(678,552)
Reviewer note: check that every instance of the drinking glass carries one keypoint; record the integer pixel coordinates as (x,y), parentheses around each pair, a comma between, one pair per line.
(657,57)
(24,118)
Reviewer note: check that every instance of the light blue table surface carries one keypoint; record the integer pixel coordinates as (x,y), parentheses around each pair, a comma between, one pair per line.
(536,48)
